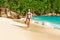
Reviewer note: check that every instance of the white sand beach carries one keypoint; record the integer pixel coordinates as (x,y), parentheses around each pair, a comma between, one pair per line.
(11,30)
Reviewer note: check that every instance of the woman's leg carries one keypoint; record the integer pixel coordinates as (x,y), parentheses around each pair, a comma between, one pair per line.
(28,23)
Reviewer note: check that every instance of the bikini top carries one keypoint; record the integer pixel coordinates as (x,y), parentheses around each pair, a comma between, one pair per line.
(29,13)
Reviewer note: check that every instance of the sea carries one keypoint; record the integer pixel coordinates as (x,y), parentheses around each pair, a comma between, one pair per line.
(49,21)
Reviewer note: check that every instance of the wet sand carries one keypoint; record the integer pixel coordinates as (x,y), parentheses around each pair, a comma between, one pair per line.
(35,32)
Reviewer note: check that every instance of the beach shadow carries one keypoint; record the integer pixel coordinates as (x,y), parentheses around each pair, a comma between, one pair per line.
(17,25)
(24,28)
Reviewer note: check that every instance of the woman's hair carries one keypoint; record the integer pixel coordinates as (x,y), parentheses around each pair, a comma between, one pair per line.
(28,10)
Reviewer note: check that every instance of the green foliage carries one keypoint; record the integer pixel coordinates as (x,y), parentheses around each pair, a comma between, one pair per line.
(37,6)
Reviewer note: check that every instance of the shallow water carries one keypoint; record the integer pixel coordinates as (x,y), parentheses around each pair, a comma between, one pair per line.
(51,21)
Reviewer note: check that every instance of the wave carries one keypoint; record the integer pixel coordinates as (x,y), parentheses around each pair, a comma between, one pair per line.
(52,25)
(47,24)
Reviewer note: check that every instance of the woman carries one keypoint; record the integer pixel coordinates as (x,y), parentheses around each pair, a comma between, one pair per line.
(28,17)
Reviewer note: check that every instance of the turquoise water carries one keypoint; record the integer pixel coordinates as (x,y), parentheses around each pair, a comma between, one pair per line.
(52,21)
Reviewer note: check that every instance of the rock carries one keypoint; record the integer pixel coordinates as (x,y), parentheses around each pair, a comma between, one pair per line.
(5,12)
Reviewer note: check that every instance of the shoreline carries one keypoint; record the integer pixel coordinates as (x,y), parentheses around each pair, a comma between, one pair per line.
(35,27)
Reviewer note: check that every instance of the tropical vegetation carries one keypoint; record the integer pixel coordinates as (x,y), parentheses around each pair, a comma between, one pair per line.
(37,6)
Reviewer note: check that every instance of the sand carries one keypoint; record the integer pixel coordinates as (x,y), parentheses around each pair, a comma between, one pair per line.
(8,31)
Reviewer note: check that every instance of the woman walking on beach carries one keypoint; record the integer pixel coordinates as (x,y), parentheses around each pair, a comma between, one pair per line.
(28,18)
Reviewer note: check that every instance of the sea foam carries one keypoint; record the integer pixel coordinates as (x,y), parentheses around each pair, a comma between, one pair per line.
(47,24)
